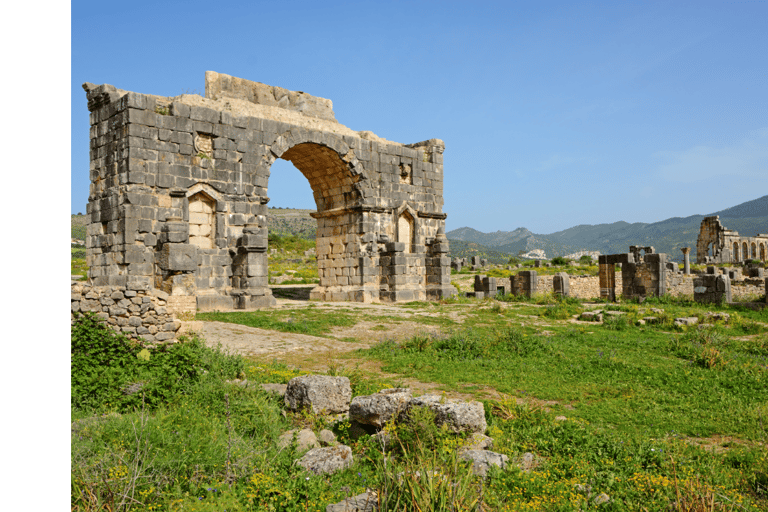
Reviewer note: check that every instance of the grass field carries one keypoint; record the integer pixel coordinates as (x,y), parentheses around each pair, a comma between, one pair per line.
(652,417)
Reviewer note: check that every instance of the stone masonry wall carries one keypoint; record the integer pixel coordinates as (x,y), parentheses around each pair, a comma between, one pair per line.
(136,314)
(178,197)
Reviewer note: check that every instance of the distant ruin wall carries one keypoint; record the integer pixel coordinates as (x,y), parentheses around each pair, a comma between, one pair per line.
(717,244)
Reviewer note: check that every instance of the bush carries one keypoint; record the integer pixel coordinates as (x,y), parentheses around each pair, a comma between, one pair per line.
(109,371)
(559,261)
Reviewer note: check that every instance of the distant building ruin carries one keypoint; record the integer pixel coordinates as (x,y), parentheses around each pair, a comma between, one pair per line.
(178,197)
(717,244)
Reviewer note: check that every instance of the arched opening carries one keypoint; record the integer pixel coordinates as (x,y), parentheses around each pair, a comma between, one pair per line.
(333,190)
(202,209)
(753,251)
(405,231)
(744,251)
(736,251)
(762,252)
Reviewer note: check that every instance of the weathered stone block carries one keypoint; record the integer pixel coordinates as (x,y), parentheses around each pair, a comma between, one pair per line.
(178,257)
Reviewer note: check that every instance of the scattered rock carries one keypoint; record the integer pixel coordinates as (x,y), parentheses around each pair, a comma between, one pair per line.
(322,394)
(305,439)
(689,320)
(366,502)
(458,415)
(327,438)
(327,460)
(379,408)
(651,320)
(482,460)
(479,442)
(601,498)
(591,316)
(614,313)
(560,418)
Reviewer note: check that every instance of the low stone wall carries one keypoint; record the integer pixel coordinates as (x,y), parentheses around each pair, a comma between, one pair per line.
(135,313)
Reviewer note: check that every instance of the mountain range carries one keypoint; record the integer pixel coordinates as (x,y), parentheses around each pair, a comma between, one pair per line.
(668,236)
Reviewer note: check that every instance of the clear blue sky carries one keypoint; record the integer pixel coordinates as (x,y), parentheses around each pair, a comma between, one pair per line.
(553,114)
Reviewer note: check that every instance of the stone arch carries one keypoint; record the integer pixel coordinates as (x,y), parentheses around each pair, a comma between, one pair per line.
(736,251)
(201,208)
(334,176)
(753,251)
(406,227)
(762,251)
(744,251)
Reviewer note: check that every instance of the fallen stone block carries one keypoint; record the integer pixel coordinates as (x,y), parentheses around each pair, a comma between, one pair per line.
(305,439)
(690,320)
(458,415)
(327,460)
(379,408)
(361,503)
(321,394)
(482,460)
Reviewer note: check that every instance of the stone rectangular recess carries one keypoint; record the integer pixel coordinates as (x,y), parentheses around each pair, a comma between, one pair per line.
(178,197)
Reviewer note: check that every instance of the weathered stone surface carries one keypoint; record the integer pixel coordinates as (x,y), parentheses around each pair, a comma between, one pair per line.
(458,415)
(305,439)
(166,200)
(482,460)
(361,503)
(321,394)
(478,441)
(327,460)
(379,408)
(327,438)
(690,320)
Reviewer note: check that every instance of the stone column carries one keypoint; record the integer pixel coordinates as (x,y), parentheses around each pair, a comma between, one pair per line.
(687,263)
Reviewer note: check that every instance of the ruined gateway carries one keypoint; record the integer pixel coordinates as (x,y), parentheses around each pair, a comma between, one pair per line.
(717,244)
(178,197)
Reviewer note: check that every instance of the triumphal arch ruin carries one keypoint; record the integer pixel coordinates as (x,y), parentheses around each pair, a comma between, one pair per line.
(178,197)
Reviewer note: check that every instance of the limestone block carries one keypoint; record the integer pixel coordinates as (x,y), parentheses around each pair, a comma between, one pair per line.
(178,257)
(379,408)
(327,460)
(319,393)
(458,415)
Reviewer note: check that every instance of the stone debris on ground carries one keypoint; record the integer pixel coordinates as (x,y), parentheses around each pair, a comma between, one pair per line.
(327,460)
(321,394)
(377,409)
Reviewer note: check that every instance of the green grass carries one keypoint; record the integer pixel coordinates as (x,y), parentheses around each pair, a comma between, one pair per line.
(314,322)
(195,442)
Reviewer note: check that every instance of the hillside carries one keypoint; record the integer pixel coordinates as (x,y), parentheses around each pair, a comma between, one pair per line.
(667,236)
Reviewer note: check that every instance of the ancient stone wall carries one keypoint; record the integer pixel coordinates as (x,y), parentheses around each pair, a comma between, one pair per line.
(136,314)
(717,244)
(179,186)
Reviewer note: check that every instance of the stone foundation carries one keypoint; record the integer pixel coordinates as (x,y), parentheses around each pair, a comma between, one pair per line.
(137,314)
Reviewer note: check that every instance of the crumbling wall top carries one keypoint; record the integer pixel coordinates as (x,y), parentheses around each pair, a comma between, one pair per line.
(219,86)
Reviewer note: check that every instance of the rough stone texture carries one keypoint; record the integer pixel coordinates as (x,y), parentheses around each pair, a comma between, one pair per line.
(717,244)
(147,319)
(361,503)
(327,460)
(377,409)
(478,442)
(458,415)
(178,197)
(561,284)
(327,438)
(712,288)
(688,320)
(321,394)
(482,460)
(305,439)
